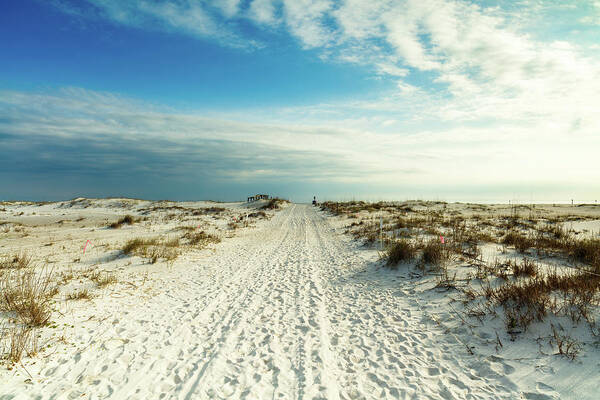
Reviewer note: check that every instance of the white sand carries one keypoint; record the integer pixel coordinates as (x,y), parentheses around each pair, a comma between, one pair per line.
(290,309)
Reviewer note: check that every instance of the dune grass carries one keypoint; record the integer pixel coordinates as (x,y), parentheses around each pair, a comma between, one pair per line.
(18,341)
(83,294)
(521,292)
(200,239)
(103,278)
(17,261)
(26,292)
(126,220)
(435,253)
(274,204)
(400,251)
(152,248)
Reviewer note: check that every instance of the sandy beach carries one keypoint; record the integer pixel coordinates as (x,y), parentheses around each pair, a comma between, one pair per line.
(286,307)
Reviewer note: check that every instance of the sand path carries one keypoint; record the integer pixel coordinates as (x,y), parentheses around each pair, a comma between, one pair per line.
(281,312)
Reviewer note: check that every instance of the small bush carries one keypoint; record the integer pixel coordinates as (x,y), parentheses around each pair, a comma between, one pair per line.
(526,268)
(435,253)
(587,251)
(274,204)
(126,220)
(400,251)
(523,303)
(521,242)
(258,214)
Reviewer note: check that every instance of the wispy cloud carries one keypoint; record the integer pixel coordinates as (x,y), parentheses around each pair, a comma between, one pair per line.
(593,18)
(480,59)
(198,19)
(264,12)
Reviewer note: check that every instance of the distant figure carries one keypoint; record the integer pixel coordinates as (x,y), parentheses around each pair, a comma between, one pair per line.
(314,200)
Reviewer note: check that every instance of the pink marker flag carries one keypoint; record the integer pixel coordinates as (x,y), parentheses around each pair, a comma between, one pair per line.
(84,247)
(442,239)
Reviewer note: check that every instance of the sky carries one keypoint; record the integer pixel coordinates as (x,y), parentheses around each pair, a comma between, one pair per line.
(449,100)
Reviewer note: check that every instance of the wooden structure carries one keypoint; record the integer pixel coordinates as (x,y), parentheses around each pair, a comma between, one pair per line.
(258,197)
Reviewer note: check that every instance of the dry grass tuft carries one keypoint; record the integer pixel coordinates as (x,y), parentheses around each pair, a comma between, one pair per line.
(587,251)
(523,302)
(274,204)
(213,210)
(28,294)
(134,245)
(17,261)
(527,268)
(166,253)
(83,294)
(21,341)
(526,301)
(566,345)
(435,253)
(257,214)
(152,248)
(521,242)
(233,225)
(200,238)
(126,220)
(104,278)
(400,251)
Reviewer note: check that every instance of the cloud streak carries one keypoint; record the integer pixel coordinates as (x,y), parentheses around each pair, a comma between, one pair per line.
(81,132)
(192,18)
(106,134)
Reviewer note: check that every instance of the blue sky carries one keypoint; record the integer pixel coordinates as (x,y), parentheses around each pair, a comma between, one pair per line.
(183,99)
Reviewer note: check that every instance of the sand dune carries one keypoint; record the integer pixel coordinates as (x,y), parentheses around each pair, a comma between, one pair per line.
(289,308)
